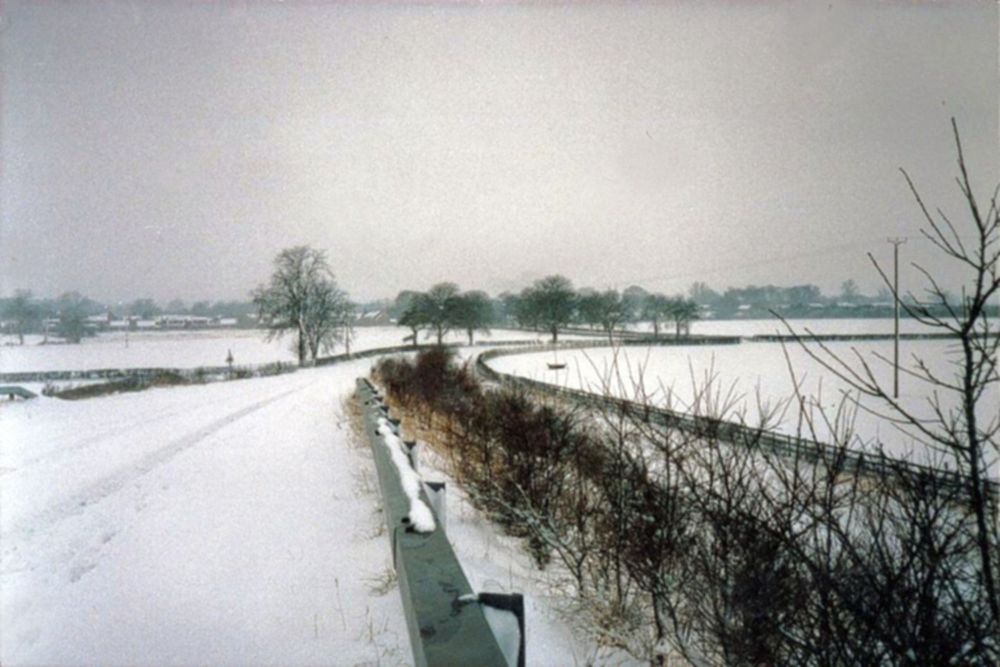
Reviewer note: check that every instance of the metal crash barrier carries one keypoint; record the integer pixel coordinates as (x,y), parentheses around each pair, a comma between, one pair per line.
(448,622)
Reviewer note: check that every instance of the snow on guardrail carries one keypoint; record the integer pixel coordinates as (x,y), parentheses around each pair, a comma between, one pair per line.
(448,623)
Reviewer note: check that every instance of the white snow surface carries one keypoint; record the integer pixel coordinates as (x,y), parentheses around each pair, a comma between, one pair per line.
(145,349)
(758,374)
(214,524)
(191,349)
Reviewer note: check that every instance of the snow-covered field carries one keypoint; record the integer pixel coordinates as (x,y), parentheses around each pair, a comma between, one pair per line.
(214,524)
(757,327)
(150,349)
(190,349)
(674,375)
(226,524)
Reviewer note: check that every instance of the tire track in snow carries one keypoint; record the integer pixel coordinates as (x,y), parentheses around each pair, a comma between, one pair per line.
(111,484)
(75,447)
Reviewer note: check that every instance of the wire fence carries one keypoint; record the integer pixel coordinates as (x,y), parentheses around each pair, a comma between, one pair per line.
(876,464)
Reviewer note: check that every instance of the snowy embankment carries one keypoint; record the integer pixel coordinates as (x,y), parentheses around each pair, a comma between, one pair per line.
(230,523)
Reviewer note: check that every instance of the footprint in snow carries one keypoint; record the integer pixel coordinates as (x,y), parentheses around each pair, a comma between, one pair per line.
(78,571)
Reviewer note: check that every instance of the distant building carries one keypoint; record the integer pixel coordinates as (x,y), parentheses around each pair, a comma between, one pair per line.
(182,322)
(373,318)
(98,322)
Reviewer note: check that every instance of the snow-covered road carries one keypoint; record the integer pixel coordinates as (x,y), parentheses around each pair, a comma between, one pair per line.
(227,524)
(216,524)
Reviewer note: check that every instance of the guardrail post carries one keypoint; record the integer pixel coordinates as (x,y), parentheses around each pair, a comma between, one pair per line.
(436,492)
(511,643)
(413,453)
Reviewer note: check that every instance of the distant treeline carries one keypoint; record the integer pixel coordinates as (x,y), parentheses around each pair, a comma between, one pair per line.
(73,316)
(553,304)
(145,309)
(549,304)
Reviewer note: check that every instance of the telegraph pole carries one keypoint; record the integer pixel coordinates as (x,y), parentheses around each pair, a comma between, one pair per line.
(896,242)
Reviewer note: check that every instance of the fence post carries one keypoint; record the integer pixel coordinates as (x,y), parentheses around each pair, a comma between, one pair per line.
(436,492)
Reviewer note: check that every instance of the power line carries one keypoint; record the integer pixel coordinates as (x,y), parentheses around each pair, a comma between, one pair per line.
(819,252)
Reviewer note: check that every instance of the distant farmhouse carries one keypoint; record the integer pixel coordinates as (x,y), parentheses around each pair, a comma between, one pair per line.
(374,318)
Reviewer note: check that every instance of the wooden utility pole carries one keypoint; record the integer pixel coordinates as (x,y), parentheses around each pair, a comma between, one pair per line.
(896,242)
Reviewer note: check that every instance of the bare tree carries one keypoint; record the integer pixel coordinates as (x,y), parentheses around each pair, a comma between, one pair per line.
(550,303)
(332,318)
(23,312)
(438,307)
(963,422)
(73,310)
(413,319)
(707,537)
(472,311)
(849,291)
(614,311)
(655,310)
(302,297)
(683,312)
(588,307)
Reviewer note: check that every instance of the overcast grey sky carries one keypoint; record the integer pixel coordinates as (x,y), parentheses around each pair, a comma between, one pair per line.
(171,149)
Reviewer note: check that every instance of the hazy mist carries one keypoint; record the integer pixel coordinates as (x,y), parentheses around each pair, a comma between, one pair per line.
(172,149)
